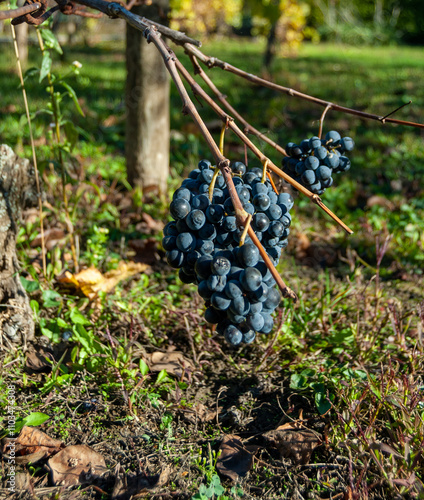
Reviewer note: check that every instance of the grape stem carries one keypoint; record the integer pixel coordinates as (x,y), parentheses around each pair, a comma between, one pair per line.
(214,62)
(197,90)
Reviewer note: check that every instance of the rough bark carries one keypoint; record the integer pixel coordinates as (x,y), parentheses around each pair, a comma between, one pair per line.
(17,192)
(147,103)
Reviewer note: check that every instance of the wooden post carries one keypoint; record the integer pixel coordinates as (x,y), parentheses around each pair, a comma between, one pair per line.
(147,104)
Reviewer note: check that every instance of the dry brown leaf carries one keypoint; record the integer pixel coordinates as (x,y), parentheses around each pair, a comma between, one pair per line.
(235,460)
(37,361)
(173,362)
(32,445)
(22,481)
(91,281)
(198,412)
(76,464)
(293,440)
(52,237)
(138,486)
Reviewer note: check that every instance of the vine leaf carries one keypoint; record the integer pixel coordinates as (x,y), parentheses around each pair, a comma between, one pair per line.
(46,65)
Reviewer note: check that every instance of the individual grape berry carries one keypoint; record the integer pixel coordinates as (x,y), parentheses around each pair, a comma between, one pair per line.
(207,232)
(175,258)
(204,291)
(200,202)
(238,168)
(248,336)
(203,267)
(268,323)
(347,144)
(308,177)
(255,321)
(215,213)
(323,173)
(170,229)
(276,228)
(233,335)
(273,299)
(179,208)
(260,222)
(314,142)
(204,246)
(233,289)
(186,242)
(220,301)
(183,193)
(320,153)
(206,175)
(311,163)
(240,305)
(250,279)
(229,223)
(274,212)
(186,277)
(195,220)
(169,243)
(248,255)
(332,138)
(194,174)
(286,199)
(213,316)
(216,283)
(344,164)
(332,160)
(204,164)
(220,266)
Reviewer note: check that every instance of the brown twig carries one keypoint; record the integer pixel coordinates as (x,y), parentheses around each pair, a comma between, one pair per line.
(213,62)
(197,89)
(20,11)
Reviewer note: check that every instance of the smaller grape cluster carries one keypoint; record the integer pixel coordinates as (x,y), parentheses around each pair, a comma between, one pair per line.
(313,162)
(203,242)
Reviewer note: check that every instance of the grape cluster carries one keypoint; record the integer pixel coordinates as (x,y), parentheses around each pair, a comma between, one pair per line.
(203,241)
(313,161)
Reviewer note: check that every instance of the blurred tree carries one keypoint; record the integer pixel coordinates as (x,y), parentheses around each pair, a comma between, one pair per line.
(147,105)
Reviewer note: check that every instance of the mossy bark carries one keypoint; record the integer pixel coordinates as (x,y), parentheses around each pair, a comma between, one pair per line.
(17,192)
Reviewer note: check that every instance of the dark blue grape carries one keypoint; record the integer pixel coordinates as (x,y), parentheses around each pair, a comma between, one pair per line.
(220,301)
(204,291)
(175,258)
(186,277)
(274,212)
(332,160)
(268,323)
(286,199)
(183,193)
(314,142)
(204,164)
(194,174)
(169,242)
(332,138)
(248,336)
(204,246)
(327,183)
(347,144)
(207,232)
(311,163)
(213,316)
(203,267)
(250,209)
(179,208)
(215,213)
(323,173)
(248,255)
(170,229)
(238,168)
(195,220)
(216,283)
(260,222)
(300,168)
(200,202)
(276,228)
(309,177)
(233,289)
(228,206)
(220,266)
(321,152)
(273,299)
(229,224)
(220,182)
(250,279)
(255,321)
(240,305)
(344,164)
(206,176)
(233,335)
(186,242)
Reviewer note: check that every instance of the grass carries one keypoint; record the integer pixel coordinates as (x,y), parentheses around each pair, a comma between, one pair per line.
(347,359)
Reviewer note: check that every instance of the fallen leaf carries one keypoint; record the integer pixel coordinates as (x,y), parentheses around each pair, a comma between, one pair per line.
(173,362)
(91,281)
(76,464)
(235,460)
(37,361)
(198,412)
(22,481)
(134,486)
(31,445)
(52,237)
(293,440)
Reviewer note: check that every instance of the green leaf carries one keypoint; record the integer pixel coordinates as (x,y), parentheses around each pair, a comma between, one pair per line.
(46,65)
(78,318)
(36,418)
(51,298)
(162,377)
(50,41)
(144,369)
(29,285)
(73,96)
(322,402)
(298,382)
(35,306)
